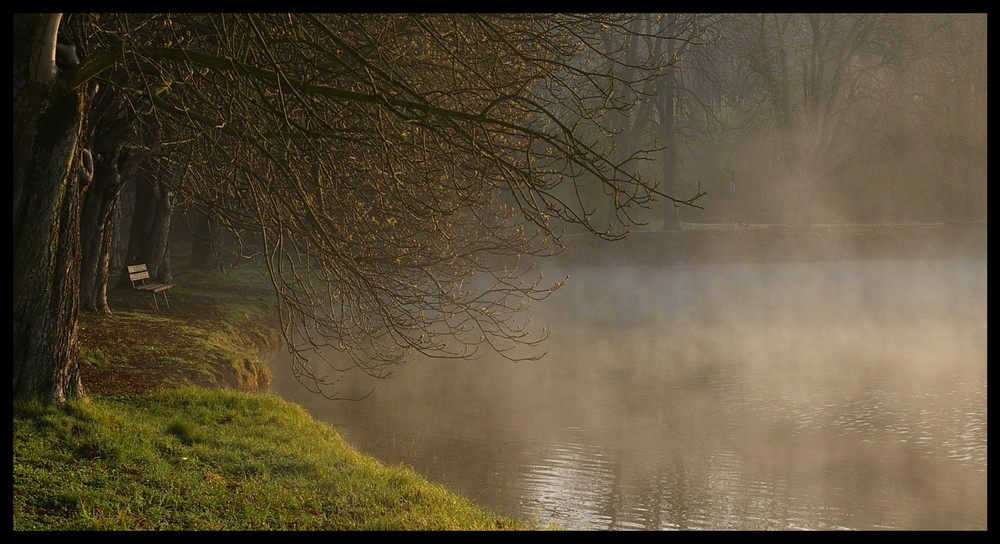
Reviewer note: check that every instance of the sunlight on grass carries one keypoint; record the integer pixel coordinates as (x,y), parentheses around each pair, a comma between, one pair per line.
(193,458)
(196,459)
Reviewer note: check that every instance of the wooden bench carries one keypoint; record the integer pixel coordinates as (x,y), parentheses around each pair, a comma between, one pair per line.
(138,274)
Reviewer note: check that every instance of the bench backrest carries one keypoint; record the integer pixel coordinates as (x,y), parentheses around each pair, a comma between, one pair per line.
(138,273)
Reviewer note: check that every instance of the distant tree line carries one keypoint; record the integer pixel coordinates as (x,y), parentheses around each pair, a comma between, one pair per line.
(828,118)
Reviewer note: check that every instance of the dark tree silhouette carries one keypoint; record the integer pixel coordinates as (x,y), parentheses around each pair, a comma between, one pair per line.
(401,171)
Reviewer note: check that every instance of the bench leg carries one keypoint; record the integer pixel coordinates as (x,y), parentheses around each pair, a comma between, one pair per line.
(165,301)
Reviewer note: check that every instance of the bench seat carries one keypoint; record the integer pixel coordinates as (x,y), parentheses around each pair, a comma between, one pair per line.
(138,274)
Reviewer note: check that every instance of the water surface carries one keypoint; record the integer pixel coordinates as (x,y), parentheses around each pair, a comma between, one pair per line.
(844,395)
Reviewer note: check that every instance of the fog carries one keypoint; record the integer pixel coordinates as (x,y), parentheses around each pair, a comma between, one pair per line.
(838,394)
(775,124)
(802,348)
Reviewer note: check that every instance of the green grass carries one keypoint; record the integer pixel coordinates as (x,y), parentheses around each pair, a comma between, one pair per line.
(199,459)
(99,357)
(180,457)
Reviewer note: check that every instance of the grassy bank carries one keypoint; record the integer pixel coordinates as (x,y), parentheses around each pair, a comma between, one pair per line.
(192,458)
(180,434)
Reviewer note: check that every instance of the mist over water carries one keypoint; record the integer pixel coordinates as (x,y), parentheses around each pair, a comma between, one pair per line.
(718,396)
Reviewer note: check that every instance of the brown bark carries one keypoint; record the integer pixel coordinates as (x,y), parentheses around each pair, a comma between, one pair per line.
(97,223)
(154,206)
(208,243)
(47,192)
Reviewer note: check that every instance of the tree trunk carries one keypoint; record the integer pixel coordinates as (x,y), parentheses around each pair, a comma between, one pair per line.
(97,226)
(207,247)
(159,249)
(668,130)
(154,206)
(121,241)
(47,126)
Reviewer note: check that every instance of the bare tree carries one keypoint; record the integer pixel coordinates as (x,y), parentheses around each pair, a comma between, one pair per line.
(953,91)
(106,132)
(679,104)
(401,171)
(817,68)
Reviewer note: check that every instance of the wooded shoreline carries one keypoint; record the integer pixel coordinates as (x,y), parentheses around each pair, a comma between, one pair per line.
(762,244)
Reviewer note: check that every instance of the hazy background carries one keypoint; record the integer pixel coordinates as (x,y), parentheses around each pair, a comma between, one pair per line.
(743,396)
(804,350)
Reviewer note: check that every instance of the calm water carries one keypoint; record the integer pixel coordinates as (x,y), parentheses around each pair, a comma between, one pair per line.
(846,395)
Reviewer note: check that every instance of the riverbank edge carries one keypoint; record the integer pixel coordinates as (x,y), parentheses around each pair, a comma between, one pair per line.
(218,332)
(216,336)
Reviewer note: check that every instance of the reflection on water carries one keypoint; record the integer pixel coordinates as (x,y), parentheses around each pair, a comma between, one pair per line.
(795,396)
